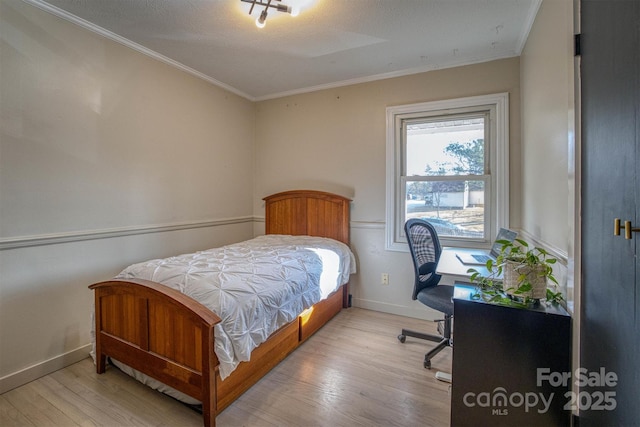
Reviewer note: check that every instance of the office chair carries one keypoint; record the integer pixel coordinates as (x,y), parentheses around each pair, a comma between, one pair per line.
(425,252)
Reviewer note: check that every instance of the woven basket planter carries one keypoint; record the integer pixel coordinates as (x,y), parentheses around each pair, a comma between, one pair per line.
(535,274)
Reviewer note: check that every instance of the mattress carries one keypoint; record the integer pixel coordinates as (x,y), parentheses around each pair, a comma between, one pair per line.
(255,286)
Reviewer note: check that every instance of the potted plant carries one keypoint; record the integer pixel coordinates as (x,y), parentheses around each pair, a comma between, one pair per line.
(518,277)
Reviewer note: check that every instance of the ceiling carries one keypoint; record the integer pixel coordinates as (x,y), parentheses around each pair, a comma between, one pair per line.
(331,43)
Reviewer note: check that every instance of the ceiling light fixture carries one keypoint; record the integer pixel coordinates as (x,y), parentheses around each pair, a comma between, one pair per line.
(277,4)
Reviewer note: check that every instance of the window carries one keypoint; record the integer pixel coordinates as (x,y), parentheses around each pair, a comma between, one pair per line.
(447,162)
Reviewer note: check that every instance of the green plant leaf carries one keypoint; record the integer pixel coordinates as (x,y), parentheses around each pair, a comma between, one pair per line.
(490,286)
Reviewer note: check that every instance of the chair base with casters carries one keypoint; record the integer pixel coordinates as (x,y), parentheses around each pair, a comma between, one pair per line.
(439,298)
(443,340)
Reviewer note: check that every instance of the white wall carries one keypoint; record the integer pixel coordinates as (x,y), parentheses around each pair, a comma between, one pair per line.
(99,143)
(335,140)
(548,115)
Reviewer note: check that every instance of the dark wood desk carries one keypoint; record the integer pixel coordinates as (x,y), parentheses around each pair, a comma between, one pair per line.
(499,355)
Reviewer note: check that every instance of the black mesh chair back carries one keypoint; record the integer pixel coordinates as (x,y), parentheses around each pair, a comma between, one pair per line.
(425,250)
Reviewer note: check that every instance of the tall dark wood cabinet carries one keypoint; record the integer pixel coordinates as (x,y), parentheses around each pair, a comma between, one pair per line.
(610,189)
(510,364)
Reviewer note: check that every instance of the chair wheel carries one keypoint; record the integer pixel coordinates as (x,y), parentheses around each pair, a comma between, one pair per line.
(427,364)
(402,338)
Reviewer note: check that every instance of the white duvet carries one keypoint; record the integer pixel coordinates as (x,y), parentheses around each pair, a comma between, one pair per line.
(255,286)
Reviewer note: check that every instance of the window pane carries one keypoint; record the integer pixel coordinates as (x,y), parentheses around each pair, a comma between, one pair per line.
(454,208)
(445,147)
(457,145)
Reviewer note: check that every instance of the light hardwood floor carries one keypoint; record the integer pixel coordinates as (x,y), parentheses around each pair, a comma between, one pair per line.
(353,372)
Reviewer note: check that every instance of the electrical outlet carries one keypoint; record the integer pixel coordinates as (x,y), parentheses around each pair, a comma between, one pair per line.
(384,279)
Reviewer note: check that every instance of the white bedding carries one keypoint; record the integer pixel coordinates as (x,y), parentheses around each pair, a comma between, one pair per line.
(255,286)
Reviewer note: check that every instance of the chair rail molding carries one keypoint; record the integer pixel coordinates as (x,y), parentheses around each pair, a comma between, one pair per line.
(77,236)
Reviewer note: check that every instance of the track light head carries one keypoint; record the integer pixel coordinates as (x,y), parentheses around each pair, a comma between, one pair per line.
(261,20)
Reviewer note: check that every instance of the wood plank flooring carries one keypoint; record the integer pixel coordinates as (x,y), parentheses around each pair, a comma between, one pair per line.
(353,372)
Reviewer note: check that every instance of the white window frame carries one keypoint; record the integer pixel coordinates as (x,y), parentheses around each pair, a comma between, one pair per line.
(498,145)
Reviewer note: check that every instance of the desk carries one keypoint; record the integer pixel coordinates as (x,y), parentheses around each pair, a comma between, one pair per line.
(450,266)
(496,356)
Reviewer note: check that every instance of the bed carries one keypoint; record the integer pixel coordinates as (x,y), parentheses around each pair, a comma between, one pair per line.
(168,337)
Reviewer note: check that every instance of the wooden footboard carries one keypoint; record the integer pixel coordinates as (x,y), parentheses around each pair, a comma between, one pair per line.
(159,332)
(170,337)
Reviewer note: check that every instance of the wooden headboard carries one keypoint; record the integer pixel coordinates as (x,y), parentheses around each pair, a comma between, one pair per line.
(308,212)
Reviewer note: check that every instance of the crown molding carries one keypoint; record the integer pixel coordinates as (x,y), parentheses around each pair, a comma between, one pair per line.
(132,45)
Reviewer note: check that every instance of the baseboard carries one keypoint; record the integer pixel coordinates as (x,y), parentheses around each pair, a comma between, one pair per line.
(401,310)
(34,372)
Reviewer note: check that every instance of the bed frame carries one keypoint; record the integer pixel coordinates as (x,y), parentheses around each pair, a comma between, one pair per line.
(170,337)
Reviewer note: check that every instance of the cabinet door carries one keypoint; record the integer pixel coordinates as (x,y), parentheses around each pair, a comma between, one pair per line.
(610,292)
